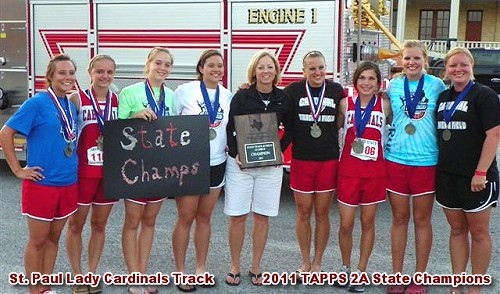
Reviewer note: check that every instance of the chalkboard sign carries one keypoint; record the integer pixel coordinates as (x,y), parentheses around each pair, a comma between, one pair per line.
(166,157)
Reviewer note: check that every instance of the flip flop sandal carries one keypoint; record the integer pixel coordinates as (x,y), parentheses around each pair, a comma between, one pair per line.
(255,278)
(297,274)
(137,290)
(152,290)
(190,288)
(234,277)
(395,289)
(209,285)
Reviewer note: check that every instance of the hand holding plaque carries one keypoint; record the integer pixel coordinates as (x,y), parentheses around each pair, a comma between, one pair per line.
(257,140)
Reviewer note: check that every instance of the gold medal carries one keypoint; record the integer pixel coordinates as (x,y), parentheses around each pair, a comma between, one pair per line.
(68,151)
(357,146)
(212,134)
(446,135)
(410,129)
(100,143)
(315,130)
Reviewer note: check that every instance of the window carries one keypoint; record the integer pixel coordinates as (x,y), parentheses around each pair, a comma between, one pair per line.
(475,15)
(434,24)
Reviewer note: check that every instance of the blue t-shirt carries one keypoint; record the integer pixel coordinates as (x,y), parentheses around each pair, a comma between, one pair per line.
(419,149)
(39,120)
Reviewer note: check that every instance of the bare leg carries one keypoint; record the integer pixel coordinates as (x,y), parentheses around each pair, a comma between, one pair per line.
(459,241)
(50,249)
(259,239)
(368,213)
(399,229)
(74,238)
(38,235)
(304,204)
(479,226)
(186,213)
(422,213)
(133,216)
(236,236)
(203,228)
(98,221)
(322,204)
(347,215)
(147,233)
(52,246)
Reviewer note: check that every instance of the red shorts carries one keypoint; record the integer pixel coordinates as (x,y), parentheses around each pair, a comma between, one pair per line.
(144,201)
(91,191)
(354,191)
(48,202)
(309,176)
(410,180)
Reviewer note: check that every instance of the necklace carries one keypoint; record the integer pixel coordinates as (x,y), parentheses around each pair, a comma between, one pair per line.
(265,97)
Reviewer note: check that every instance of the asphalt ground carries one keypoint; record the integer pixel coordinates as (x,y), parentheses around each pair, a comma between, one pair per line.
(281,254)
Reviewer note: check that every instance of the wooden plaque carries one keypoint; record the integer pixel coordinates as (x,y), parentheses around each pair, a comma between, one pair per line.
(257,140)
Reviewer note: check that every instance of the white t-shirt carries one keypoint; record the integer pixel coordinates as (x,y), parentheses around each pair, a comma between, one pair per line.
(189,101)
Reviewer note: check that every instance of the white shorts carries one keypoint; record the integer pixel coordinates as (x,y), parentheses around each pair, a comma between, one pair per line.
(253,189)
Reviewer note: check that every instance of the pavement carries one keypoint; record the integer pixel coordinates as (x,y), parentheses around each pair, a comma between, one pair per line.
(281,254)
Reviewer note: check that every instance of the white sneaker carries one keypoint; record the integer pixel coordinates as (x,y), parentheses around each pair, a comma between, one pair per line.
(343,269)
(356,288)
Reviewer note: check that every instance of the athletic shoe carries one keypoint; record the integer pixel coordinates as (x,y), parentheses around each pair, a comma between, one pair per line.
(343,269)
(356,288)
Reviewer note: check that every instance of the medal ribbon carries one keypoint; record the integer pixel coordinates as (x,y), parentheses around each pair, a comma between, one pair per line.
(361,117)
(315,107)
(66,116)
(412,102)
(448,113)
(211,109)
(158,108)
(100,117)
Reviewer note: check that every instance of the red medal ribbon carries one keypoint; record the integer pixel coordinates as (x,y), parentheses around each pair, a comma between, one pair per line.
(101,118)
(315,107)
(66,116)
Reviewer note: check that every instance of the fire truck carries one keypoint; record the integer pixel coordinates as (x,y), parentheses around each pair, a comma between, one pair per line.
(33,31)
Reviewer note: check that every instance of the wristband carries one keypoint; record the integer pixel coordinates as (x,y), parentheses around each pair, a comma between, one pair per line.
(480,173)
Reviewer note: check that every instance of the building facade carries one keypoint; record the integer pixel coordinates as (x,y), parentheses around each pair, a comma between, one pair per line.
(471,23)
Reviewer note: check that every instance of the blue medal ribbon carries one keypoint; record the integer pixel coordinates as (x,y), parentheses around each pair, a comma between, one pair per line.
(158,108)
(211,109)
(412,102)
(448,112)
(361,117)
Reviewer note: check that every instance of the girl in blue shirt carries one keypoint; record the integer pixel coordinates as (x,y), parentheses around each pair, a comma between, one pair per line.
(49,188)
(411,153)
